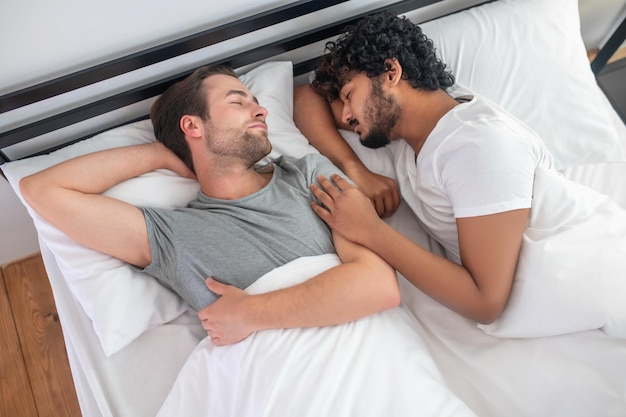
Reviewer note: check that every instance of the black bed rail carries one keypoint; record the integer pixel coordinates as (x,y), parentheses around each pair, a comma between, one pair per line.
(153,89)
(159,53)
(610,47)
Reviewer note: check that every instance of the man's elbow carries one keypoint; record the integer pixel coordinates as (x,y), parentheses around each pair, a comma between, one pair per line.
(28,188)
(392,293)
(394,300)
(489,312)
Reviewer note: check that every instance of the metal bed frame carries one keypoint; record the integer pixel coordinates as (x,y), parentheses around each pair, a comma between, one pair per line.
(612,76)
(20,99)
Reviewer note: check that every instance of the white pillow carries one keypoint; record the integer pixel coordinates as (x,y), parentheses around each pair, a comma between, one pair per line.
(379,161)
(121,302)
(571,274)
(528,56)
(272,84)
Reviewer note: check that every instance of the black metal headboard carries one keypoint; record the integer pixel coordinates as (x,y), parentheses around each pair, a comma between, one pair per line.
(78,113)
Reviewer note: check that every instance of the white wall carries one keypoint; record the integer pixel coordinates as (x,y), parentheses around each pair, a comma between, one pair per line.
(17,233)
(42,39)
(598,18)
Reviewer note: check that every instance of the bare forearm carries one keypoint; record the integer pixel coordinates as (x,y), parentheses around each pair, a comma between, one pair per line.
(339,295)
(363,284)
(445,281)
(489,248)
(68,196)
(97,172)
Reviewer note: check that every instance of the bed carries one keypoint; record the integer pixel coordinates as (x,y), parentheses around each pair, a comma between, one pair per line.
(135,349)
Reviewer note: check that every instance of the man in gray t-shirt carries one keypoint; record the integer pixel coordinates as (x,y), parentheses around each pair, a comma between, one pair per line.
(237,241)
(246,221)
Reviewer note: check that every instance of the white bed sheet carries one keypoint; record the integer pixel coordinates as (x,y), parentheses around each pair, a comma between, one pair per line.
(575,375)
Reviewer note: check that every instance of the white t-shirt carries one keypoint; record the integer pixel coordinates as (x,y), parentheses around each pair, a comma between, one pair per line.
(478,160)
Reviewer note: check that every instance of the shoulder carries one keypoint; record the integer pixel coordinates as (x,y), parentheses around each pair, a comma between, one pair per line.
(308,162)
(480,127)
(308,167)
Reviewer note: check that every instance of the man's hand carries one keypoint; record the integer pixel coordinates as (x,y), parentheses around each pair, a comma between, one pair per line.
(172,162)
(319,120)
(345,209)
(383,191)
(226,320)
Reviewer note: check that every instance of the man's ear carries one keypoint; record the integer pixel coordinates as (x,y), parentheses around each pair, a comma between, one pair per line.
(394,71)
(191,126)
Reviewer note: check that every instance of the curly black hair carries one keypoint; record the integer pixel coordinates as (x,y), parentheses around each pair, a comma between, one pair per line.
(365,46)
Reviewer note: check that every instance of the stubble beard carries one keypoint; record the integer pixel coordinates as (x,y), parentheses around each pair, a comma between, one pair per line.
(231,144)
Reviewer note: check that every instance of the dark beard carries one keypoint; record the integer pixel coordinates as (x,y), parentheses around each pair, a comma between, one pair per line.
(375,139)
(383,112)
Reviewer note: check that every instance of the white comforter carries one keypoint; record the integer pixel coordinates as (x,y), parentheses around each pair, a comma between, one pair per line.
(376,366)
(571,273)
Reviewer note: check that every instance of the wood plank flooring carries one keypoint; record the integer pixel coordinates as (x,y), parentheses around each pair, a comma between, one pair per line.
(35,378)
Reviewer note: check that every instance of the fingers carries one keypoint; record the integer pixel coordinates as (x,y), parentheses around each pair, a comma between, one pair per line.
(328,186)
(386,199)
(321,195)
(321,212)
(328,191)
(341,183)
(380,206)
(390,203)
(215,286)
(394,202)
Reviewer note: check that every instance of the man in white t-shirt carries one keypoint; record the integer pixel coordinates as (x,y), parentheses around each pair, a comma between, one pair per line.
(464,166)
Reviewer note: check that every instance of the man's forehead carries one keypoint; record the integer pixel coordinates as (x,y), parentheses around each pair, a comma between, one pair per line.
(349,78)
(223,85)
(346,77)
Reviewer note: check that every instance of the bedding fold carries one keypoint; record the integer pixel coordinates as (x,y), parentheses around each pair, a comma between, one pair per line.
(571,273)
(374,366)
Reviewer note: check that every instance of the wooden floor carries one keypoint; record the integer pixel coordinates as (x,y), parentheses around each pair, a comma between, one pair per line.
(35,379)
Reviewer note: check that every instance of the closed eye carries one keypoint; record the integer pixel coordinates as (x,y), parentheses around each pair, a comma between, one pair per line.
(240,96)
(346,96)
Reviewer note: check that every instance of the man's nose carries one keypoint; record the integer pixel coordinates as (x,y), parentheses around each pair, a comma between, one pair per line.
(346,115)
(259,111)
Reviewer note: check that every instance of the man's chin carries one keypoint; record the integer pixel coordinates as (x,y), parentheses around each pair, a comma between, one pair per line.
(374,142)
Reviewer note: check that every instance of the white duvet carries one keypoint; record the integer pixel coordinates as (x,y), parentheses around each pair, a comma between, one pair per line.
(571,273)
(375,366)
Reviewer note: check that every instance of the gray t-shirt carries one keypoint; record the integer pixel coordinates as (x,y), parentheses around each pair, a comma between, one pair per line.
(238,241)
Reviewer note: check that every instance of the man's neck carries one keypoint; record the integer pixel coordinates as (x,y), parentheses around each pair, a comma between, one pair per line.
(422,112)
(233,184)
